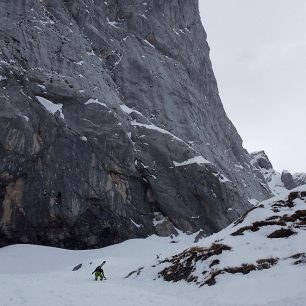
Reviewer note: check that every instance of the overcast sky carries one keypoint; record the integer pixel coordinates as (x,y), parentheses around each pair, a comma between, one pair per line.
(258,50)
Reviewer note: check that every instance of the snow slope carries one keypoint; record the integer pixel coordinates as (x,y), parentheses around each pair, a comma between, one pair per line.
(264,251)
(35,276)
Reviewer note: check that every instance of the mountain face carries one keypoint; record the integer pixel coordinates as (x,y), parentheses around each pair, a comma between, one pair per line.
(277,182)
(111,125)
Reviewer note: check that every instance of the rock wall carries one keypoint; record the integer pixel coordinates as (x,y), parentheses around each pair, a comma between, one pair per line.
(111,125)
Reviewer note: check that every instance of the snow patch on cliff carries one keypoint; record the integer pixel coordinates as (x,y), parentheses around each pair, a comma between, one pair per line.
(195,160)
(95,101)
(50,106)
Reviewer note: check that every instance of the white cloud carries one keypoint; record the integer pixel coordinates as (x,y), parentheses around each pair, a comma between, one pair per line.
(258,52)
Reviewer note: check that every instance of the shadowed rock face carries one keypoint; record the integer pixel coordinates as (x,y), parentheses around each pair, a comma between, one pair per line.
(109,115)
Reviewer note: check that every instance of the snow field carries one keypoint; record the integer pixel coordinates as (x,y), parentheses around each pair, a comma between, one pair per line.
(35,276)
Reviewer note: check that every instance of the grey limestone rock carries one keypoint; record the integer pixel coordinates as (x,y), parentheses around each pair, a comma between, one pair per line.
(299,178)
(277,182)
(262,160)
(288,180)
(110,115)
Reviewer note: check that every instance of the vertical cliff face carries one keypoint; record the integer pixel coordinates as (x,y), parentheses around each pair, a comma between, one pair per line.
(111,125)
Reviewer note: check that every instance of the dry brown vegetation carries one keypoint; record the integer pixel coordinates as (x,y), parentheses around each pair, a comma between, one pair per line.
(261,264)
(282,233)
(256,226)
(183,264)
(299,217)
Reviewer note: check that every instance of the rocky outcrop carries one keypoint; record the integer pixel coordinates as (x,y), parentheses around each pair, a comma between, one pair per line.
(260,160)
(110,116)
(299,178)
(287,179)
(277,182)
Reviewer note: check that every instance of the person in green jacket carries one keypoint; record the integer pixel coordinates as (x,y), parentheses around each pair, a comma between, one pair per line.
(99,273)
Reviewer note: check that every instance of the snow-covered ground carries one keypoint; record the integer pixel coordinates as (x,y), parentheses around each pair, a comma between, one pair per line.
(36,276)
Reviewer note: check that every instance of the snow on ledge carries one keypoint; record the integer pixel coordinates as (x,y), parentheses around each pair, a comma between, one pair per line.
(137,225)
(113,23)
(222,178)
(95,101)
(151,126)
(148,43)
(50,106)
(157,222)
(253,202)
(156,128)
(195,160)
(129,110)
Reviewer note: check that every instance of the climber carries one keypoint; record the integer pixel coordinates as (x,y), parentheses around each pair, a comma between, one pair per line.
(99,273)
